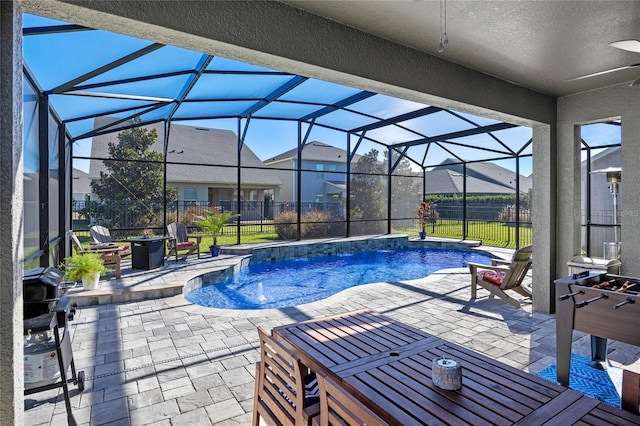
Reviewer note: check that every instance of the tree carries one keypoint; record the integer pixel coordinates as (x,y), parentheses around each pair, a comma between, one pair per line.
(406,190)
(368,194)
(130,193)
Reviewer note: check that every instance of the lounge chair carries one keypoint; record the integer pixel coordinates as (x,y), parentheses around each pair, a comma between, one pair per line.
(503,275)
(102,237)
(280,397)
(179,240)
(339,407)
(110,255)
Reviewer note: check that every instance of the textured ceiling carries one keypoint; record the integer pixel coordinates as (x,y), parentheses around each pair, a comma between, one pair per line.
(536,44)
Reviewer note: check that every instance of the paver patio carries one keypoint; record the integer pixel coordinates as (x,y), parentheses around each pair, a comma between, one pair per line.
(167,362)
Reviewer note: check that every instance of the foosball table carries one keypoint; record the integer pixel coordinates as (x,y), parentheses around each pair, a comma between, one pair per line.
(603,305)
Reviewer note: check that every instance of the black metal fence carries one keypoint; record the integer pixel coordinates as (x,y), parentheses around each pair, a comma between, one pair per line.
(493,224)
(599,230)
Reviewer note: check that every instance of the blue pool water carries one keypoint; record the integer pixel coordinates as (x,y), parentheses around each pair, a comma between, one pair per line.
(292,282)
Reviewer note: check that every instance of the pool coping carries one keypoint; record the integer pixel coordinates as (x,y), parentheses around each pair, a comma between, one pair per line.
(177,278)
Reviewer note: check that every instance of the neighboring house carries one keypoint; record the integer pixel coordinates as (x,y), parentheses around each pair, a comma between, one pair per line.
(482,178)
(190,146)
(326,184)
(81,185)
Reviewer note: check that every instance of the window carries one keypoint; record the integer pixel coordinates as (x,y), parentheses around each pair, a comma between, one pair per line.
(319,198)
(190,194)
(332,167)
(319,171)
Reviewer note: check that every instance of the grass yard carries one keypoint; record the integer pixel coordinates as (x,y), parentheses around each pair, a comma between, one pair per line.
(495,234)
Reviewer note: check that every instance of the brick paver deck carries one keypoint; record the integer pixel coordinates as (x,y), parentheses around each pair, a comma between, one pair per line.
(166,362)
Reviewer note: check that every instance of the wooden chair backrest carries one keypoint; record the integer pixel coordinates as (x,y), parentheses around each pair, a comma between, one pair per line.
(100,234)
(76,242)
(520,264)
(279,395)
(339,407)
(178,232)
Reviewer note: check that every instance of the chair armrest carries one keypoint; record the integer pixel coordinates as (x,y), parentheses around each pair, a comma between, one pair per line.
(475,266)
(500,262)
(197,237)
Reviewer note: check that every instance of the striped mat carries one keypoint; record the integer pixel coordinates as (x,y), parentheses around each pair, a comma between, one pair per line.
(590,381)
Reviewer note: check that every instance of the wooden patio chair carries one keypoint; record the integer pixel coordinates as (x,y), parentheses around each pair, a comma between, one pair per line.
(110,255)
(179,240)
(339,407)
(280,397)
(503,275)
(102,237)
(630,399)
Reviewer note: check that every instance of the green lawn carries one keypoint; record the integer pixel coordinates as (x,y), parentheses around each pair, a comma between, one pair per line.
(495,234)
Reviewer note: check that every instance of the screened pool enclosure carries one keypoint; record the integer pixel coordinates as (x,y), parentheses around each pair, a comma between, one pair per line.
(133,135)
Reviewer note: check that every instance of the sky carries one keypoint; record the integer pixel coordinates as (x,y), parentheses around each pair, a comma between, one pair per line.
(59,58)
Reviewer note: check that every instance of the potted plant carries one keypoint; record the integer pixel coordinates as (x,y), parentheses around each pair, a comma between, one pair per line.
(425,214)
(213,222)
(87,267)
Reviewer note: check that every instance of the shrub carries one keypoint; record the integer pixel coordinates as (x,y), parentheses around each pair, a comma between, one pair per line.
(286,225)
(315,224)
(508,214)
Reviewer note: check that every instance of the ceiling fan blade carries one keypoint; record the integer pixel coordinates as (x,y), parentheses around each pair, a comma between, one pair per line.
(604,72)
(630,45)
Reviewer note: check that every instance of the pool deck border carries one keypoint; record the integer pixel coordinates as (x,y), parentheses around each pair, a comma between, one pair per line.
(188,273)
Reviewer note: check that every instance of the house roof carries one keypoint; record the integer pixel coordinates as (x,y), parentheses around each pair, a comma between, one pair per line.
(490,173)
(190,154)
(445,181)
(313,151)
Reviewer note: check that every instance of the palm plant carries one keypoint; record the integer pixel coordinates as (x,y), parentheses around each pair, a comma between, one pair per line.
(214,222)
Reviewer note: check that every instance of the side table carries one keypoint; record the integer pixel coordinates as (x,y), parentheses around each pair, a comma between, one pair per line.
(147,252)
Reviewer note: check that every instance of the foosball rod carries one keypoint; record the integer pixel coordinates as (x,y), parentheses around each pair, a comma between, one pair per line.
(628,300)
(586,302)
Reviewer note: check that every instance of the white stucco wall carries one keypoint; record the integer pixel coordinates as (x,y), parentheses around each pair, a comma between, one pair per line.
(11,218)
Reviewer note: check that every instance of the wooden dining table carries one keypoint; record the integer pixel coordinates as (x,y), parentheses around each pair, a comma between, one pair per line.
(387,365)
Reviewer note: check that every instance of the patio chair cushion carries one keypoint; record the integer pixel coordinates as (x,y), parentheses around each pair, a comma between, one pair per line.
(186,244)
(493,277)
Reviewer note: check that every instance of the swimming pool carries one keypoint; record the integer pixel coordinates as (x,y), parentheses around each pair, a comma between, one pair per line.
(279,284)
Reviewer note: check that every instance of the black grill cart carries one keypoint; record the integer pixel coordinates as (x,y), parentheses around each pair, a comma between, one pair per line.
(47,340)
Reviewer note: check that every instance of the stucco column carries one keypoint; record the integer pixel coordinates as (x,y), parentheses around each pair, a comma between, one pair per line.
(568,195)
(11,346)
(630,198)
(543,217)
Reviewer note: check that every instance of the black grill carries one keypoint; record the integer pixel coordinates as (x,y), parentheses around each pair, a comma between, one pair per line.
(44,292)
